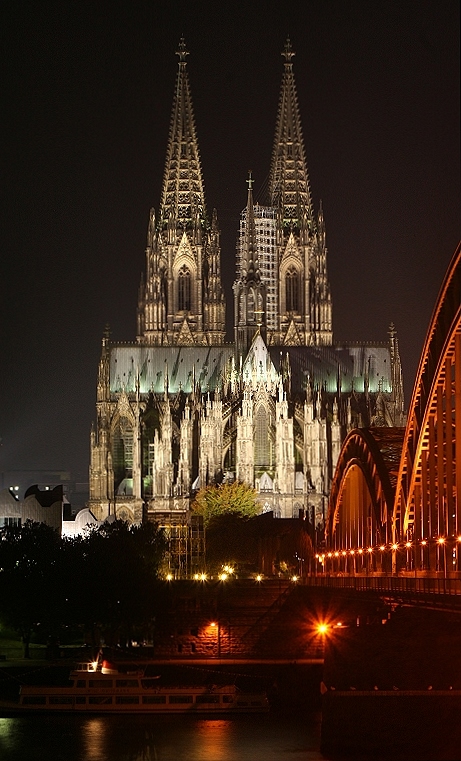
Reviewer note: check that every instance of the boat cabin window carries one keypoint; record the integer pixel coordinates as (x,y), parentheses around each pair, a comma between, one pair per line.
(81,683)
(99,700)
(146,699)
(124,699)
(34,700)
(126,683)
(100,683)
(56,700)
(207,699)
(180,699)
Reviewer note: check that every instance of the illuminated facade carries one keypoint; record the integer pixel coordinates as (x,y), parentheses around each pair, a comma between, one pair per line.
(179,407)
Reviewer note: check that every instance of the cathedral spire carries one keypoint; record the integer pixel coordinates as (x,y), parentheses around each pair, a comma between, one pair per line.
(249,288)
(183,196)
(250,254)
(181,300)
(289,181)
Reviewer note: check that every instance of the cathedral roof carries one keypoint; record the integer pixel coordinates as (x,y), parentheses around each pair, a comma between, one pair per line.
(176,365)
(359,367)
(183,196)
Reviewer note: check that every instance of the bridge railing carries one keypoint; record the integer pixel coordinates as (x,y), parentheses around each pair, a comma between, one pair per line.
(422,585)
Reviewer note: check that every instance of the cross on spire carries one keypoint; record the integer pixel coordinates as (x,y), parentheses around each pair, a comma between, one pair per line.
(288,52)
(182,51)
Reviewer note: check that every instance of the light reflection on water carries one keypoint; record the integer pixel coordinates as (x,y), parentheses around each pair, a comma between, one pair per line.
(94,738)
(160,738)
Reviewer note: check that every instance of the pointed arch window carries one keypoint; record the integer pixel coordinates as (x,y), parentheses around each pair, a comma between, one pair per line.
(122,450)
(184,290)
(251,306)
(292,290)
(262,458)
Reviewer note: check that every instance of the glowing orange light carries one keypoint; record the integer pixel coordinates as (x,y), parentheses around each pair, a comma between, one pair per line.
(352,552)
(360,551)
(407,544)
(395,546)
(169,576)
(213,623)
(336,554)
(458,538)
(344,552)
(259,577)
(322,628)
(294,578)
(330,554)
(382,548)
(370,549)
(223,576)
(424,542)
(441,540)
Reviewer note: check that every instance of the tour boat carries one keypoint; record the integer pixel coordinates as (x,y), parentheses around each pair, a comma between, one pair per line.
(101,688)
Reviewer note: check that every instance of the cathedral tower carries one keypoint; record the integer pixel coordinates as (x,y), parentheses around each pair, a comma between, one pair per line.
(304,300)
(249,288)
(181,301)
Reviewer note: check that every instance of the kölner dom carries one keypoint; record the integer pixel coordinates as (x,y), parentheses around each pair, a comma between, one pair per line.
(179,407)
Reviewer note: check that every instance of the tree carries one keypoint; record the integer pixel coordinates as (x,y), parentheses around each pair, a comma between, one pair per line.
(213,501)
(28,578)
(107,579)
(119,576)
(230,539)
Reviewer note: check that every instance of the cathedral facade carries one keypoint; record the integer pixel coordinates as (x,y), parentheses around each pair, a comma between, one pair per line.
(179,407)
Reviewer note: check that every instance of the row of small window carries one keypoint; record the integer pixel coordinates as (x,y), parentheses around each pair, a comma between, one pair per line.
(8,521)
(125,699)
(93,683)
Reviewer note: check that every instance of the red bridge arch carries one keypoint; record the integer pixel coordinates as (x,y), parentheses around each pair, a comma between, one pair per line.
(400,489)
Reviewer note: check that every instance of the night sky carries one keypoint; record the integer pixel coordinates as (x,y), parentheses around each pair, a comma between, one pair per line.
(87,95)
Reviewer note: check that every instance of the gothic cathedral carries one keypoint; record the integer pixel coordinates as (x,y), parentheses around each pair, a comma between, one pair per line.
(179,407)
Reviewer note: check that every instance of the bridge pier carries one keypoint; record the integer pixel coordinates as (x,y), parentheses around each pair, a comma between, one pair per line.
(399,681)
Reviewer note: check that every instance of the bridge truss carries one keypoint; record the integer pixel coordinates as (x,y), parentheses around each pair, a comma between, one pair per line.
(395,502)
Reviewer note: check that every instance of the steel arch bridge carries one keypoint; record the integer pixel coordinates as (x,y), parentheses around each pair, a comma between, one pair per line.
(395,501)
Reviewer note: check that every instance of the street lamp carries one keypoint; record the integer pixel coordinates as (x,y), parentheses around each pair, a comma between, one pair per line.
(441,543)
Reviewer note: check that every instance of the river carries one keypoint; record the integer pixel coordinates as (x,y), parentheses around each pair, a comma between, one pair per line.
(265,737)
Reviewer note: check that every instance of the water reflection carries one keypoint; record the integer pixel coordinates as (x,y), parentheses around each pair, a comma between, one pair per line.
(7,731)
(94,739)
(160,738)
(212,739)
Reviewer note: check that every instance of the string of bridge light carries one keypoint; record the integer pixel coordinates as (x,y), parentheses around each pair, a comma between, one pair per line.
(386,547)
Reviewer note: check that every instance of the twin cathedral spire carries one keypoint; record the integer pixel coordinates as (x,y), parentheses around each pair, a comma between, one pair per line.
(180,408)
(281,288)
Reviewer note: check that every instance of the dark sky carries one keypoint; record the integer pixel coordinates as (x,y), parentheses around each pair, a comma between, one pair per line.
(87,94)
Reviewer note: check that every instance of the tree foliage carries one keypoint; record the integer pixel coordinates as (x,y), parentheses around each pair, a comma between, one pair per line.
(237,497)
(106,581)
(28,578)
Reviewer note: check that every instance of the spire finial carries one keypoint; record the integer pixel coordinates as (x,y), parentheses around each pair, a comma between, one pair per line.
(288,52)
(182,51)
(250,180)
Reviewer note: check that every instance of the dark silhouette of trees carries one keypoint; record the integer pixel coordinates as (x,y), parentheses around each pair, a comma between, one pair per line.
(106,581)
(28,562)
(120,590)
